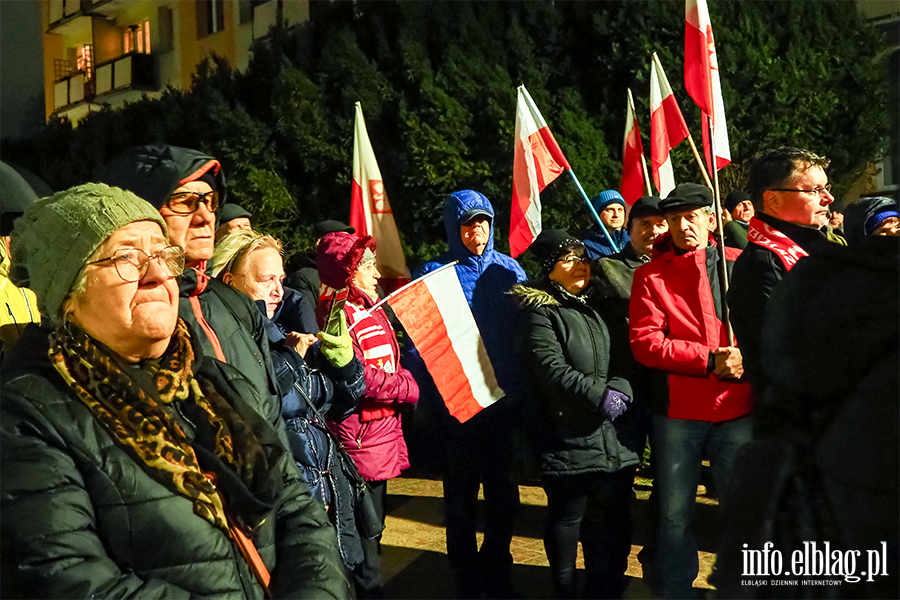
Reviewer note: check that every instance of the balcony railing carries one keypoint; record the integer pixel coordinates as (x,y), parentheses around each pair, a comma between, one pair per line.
(131,71)
(72,89)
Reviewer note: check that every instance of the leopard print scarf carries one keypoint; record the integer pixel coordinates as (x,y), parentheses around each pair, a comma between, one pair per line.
(137,420)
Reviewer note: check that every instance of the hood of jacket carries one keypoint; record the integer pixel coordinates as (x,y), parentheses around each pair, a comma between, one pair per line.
(456,205)
(154,172)
(859,212)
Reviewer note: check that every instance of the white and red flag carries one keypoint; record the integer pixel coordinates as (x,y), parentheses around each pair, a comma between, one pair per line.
(701,79)
(435,314)
(667,128)
(632,186)
(538,161)
(370,211)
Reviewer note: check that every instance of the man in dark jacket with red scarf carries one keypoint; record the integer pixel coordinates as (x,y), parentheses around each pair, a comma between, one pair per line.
(789,190)
(675,322)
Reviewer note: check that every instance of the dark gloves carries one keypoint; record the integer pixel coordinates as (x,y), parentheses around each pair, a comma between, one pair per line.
(616,398)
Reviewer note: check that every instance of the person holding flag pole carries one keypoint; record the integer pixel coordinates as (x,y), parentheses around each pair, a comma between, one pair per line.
(538,161)
(477,444)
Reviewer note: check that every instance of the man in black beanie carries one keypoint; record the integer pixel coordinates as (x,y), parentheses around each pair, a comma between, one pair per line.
(740,209)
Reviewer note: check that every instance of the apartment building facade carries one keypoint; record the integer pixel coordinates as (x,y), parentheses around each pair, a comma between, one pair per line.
(108,52)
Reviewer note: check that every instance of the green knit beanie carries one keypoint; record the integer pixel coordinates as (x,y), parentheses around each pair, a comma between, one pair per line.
(56,236)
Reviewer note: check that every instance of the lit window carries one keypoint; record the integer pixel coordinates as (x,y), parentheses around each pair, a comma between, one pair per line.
(137,38)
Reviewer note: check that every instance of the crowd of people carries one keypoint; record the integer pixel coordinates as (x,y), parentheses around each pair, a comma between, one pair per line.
(177,421)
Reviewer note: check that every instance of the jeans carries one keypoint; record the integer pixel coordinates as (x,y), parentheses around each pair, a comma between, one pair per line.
(678,447)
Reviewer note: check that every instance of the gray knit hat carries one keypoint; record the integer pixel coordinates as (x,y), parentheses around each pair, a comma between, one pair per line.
(56,236)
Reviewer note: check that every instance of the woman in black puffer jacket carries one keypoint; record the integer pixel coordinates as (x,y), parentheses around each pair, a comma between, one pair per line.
(587,428)
(132,466)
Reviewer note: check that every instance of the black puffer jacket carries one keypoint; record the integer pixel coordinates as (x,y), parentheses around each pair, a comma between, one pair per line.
(81,518)
(566,347)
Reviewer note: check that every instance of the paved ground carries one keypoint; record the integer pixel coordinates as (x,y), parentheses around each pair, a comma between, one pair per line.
(414,546)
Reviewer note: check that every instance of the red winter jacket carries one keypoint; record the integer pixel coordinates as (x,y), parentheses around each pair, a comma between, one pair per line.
(673,327)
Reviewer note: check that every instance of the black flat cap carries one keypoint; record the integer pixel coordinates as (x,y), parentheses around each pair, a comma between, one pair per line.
(643,207)
(687,196)
(323,228)
(229,212)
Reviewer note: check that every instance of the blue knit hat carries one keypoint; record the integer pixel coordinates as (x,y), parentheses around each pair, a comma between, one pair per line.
(605,198)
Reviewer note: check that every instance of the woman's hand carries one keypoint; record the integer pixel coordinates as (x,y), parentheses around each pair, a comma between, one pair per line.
(299,342)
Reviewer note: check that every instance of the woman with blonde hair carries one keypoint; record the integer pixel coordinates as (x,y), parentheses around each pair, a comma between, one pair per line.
(315,378)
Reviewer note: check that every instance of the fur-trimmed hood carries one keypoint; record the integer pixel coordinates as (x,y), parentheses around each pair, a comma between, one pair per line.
(532,297)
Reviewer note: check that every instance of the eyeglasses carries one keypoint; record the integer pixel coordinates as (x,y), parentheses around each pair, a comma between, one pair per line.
(186,203)
(133,263)
(570,261)
(816,191)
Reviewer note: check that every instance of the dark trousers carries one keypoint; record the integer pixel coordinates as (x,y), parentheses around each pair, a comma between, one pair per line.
(477,456)
(367,574)
(594,508)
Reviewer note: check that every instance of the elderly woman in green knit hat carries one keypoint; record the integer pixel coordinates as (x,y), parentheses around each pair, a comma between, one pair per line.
(129,465)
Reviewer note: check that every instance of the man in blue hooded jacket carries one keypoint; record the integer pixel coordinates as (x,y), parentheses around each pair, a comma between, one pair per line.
(480,451)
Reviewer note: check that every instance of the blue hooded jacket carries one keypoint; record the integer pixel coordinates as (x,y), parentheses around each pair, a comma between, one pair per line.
(485,280)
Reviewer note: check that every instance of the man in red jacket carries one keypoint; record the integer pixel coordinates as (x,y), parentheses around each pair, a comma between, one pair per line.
(676,326)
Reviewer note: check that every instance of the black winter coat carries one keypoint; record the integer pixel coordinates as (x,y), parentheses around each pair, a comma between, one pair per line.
(756,273)
(81,518)
(566,347)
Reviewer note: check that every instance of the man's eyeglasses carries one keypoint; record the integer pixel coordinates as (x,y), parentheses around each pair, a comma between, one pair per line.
(570,261)
(133,263)
(185,203)
(816,191)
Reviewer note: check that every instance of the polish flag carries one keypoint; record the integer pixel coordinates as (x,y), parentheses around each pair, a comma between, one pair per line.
(667,128)
(632,186)
(701,78)
(435,314)
(538,161)
(370,211)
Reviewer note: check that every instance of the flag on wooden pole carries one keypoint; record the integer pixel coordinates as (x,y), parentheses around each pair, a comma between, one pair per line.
(370,211)
(632,186)
(701,79)
(435,314)
(667,128)
(538,160)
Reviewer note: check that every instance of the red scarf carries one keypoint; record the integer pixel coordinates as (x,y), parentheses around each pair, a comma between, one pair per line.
(770,238)
(377,341)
